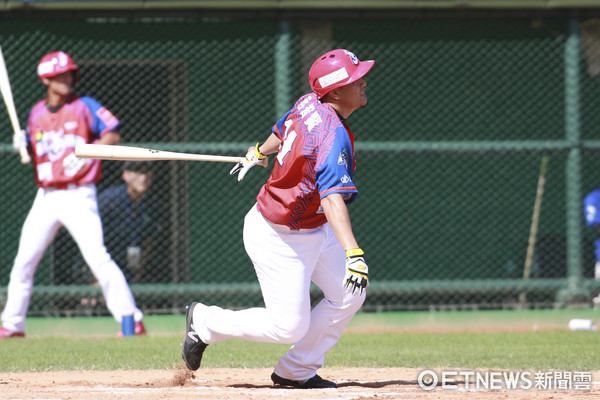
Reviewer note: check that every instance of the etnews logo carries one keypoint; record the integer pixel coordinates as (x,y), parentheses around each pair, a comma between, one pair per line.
(505,380)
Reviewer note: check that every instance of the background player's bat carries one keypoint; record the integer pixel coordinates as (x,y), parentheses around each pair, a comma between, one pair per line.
(10,106)
(535,220)
(130,153)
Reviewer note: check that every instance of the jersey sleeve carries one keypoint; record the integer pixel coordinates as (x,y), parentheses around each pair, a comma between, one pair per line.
(103,121)
(334,168)
(278,128)
(590,208)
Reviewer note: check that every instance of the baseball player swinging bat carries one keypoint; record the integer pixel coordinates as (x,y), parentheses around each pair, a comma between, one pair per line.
(130,153)
(10,106)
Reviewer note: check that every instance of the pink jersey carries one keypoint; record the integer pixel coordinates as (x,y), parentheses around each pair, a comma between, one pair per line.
(315,159)
(53,136)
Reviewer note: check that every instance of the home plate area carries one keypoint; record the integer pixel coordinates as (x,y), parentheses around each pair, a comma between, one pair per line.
(242,383)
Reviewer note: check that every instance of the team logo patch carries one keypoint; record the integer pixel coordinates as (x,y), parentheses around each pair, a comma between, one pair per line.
(105,115)
(353,58)
(334,77)
(345,179)
(343,159)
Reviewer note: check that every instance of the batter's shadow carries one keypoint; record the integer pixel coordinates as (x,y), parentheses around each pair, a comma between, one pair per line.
(372,385)
(378,384)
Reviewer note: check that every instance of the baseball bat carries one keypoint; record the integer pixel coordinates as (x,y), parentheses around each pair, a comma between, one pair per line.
(10,106)
(130,153)
(535,220)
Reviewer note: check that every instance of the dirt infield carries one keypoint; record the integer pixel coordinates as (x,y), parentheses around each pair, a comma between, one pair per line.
(226,384)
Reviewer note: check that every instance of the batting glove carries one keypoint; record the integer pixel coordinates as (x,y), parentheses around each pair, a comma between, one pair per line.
(253,157)
(357,272)
(19,140)
(72,164)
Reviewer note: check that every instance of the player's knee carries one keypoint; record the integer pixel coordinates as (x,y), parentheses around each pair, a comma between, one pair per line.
(349,303)
(97,259)
(107,272)
(26,263)
(22,274)
(355,302)
(292,330)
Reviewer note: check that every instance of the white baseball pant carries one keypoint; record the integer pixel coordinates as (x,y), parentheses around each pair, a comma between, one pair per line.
(76,209)
(286,261)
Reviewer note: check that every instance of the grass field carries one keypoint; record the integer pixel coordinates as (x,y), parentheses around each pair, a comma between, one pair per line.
(462,339)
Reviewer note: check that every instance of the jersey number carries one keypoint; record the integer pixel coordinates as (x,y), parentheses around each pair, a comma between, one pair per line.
(288,140)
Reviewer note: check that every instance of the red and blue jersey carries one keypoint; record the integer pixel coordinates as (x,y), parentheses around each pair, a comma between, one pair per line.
(315,159)
(54,135)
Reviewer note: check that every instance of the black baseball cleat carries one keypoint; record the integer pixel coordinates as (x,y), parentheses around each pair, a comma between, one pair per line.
(192,347)
(316,382)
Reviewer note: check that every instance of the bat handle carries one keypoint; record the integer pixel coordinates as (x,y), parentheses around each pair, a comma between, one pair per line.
(25,158)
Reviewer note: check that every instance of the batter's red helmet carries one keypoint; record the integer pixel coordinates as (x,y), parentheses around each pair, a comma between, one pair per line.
(56,63)
(336,68)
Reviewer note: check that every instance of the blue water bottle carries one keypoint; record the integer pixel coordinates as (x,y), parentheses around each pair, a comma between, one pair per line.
(127,325)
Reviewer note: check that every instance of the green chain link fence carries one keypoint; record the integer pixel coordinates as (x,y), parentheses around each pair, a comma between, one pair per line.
(462,113)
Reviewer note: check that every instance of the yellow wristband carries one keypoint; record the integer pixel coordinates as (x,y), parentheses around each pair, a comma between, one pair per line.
(259,155)
(354,252)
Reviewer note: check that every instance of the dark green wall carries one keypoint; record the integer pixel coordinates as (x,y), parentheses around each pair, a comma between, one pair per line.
(419,215)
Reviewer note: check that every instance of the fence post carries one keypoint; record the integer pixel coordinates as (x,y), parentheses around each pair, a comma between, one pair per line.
(282,70)
(574,291)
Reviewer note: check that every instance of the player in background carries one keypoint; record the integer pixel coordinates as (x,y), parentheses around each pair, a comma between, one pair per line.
(133,220)
(66,193)
(299,231)
(591,210)
(134,223)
